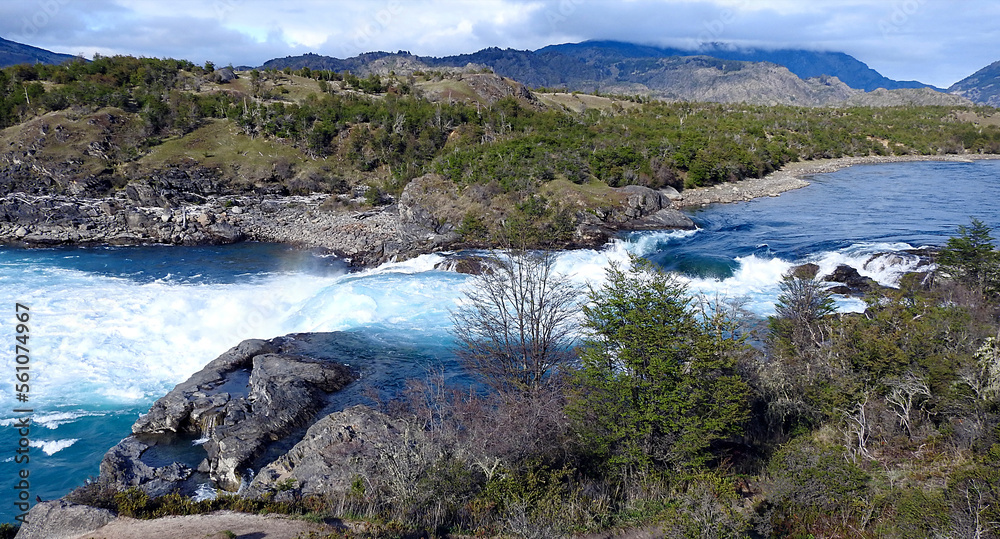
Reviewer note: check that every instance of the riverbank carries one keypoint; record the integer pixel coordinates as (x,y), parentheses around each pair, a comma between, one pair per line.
(366,236)
(793,176)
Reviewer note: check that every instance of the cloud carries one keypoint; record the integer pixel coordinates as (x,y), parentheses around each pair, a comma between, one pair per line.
(935,42)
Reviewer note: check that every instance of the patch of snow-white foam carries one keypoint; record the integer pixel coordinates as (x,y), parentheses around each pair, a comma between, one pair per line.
(756,281)
(418,264)
(109,340)
(589,266)
(55,420)
(886,263)
(205,491)
(52,447)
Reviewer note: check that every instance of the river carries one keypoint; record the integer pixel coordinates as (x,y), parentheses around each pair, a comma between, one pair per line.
(111,329)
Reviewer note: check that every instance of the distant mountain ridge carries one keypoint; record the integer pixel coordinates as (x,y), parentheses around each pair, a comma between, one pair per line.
(576,65)
(982,87)
(13,53)
(804,63)
(672,74)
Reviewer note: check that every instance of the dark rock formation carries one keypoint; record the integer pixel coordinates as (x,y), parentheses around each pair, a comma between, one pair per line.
(135,462)
(62,520)
(465,263)
(852,280)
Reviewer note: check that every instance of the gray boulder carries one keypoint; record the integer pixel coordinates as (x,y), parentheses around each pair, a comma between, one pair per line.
(223,76)
(62,520)
(334,451)
(646,209)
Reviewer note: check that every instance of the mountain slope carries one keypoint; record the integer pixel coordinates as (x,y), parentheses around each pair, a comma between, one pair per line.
(804,63)
(13,53)
(627,69)
(981,87)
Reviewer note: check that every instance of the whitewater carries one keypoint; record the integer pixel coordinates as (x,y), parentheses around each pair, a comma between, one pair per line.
(113,329)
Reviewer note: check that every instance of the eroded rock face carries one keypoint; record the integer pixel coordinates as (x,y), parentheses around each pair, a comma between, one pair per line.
(285,393)
(644,209)
(250,397)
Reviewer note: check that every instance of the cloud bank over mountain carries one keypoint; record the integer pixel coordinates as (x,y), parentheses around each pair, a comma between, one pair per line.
(903,39)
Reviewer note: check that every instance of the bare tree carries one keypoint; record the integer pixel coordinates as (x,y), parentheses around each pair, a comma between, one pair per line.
(802,305)
(518,322)
(904,393)
(857,429)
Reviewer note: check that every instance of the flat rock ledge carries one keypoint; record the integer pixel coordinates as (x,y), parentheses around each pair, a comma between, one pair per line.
(59,519)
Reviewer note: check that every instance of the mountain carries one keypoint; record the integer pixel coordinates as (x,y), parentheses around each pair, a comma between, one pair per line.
(576,64)
(628,69)
(12,53)
(981,87)
(804,63)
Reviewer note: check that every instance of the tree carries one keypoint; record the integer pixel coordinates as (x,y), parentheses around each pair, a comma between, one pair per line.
(802,305)
(972,259)
(518,322)
(657,385)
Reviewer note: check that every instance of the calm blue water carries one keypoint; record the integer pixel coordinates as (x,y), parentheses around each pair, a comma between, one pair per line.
(112,329)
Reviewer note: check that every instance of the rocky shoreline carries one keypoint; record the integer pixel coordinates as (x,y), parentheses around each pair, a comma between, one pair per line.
(340,224)
(149,213)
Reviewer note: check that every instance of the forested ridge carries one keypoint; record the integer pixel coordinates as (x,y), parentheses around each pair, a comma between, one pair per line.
(328,131)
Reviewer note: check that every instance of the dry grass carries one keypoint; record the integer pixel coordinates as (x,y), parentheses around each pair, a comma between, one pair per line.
(220,145)
(68,136)
(578,102)
(594,194)
(976,118)
(447,90)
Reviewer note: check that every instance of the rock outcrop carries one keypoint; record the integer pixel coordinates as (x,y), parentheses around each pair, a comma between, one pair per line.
(59,519)
(890,266)
(240,405)
(330,456)
(647,209)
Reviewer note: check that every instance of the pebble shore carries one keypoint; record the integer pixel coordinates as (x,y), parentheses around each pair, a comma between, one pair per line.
(793,176)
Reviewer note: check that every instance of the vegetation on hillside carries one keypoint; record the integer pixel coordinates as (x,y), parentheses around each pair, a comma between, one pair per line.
(877,424)
(337,130)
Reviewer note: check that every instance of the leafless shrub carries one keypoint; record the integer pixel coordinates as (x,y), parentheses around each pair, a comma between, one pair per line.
(517,325)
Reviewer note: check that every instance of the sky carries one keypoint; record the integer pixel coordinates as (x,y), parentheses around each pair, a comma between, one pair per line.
(937,42)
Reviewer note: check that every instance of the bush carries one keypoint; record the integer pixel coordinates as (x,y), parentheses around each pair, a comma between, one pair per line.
(657,386)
